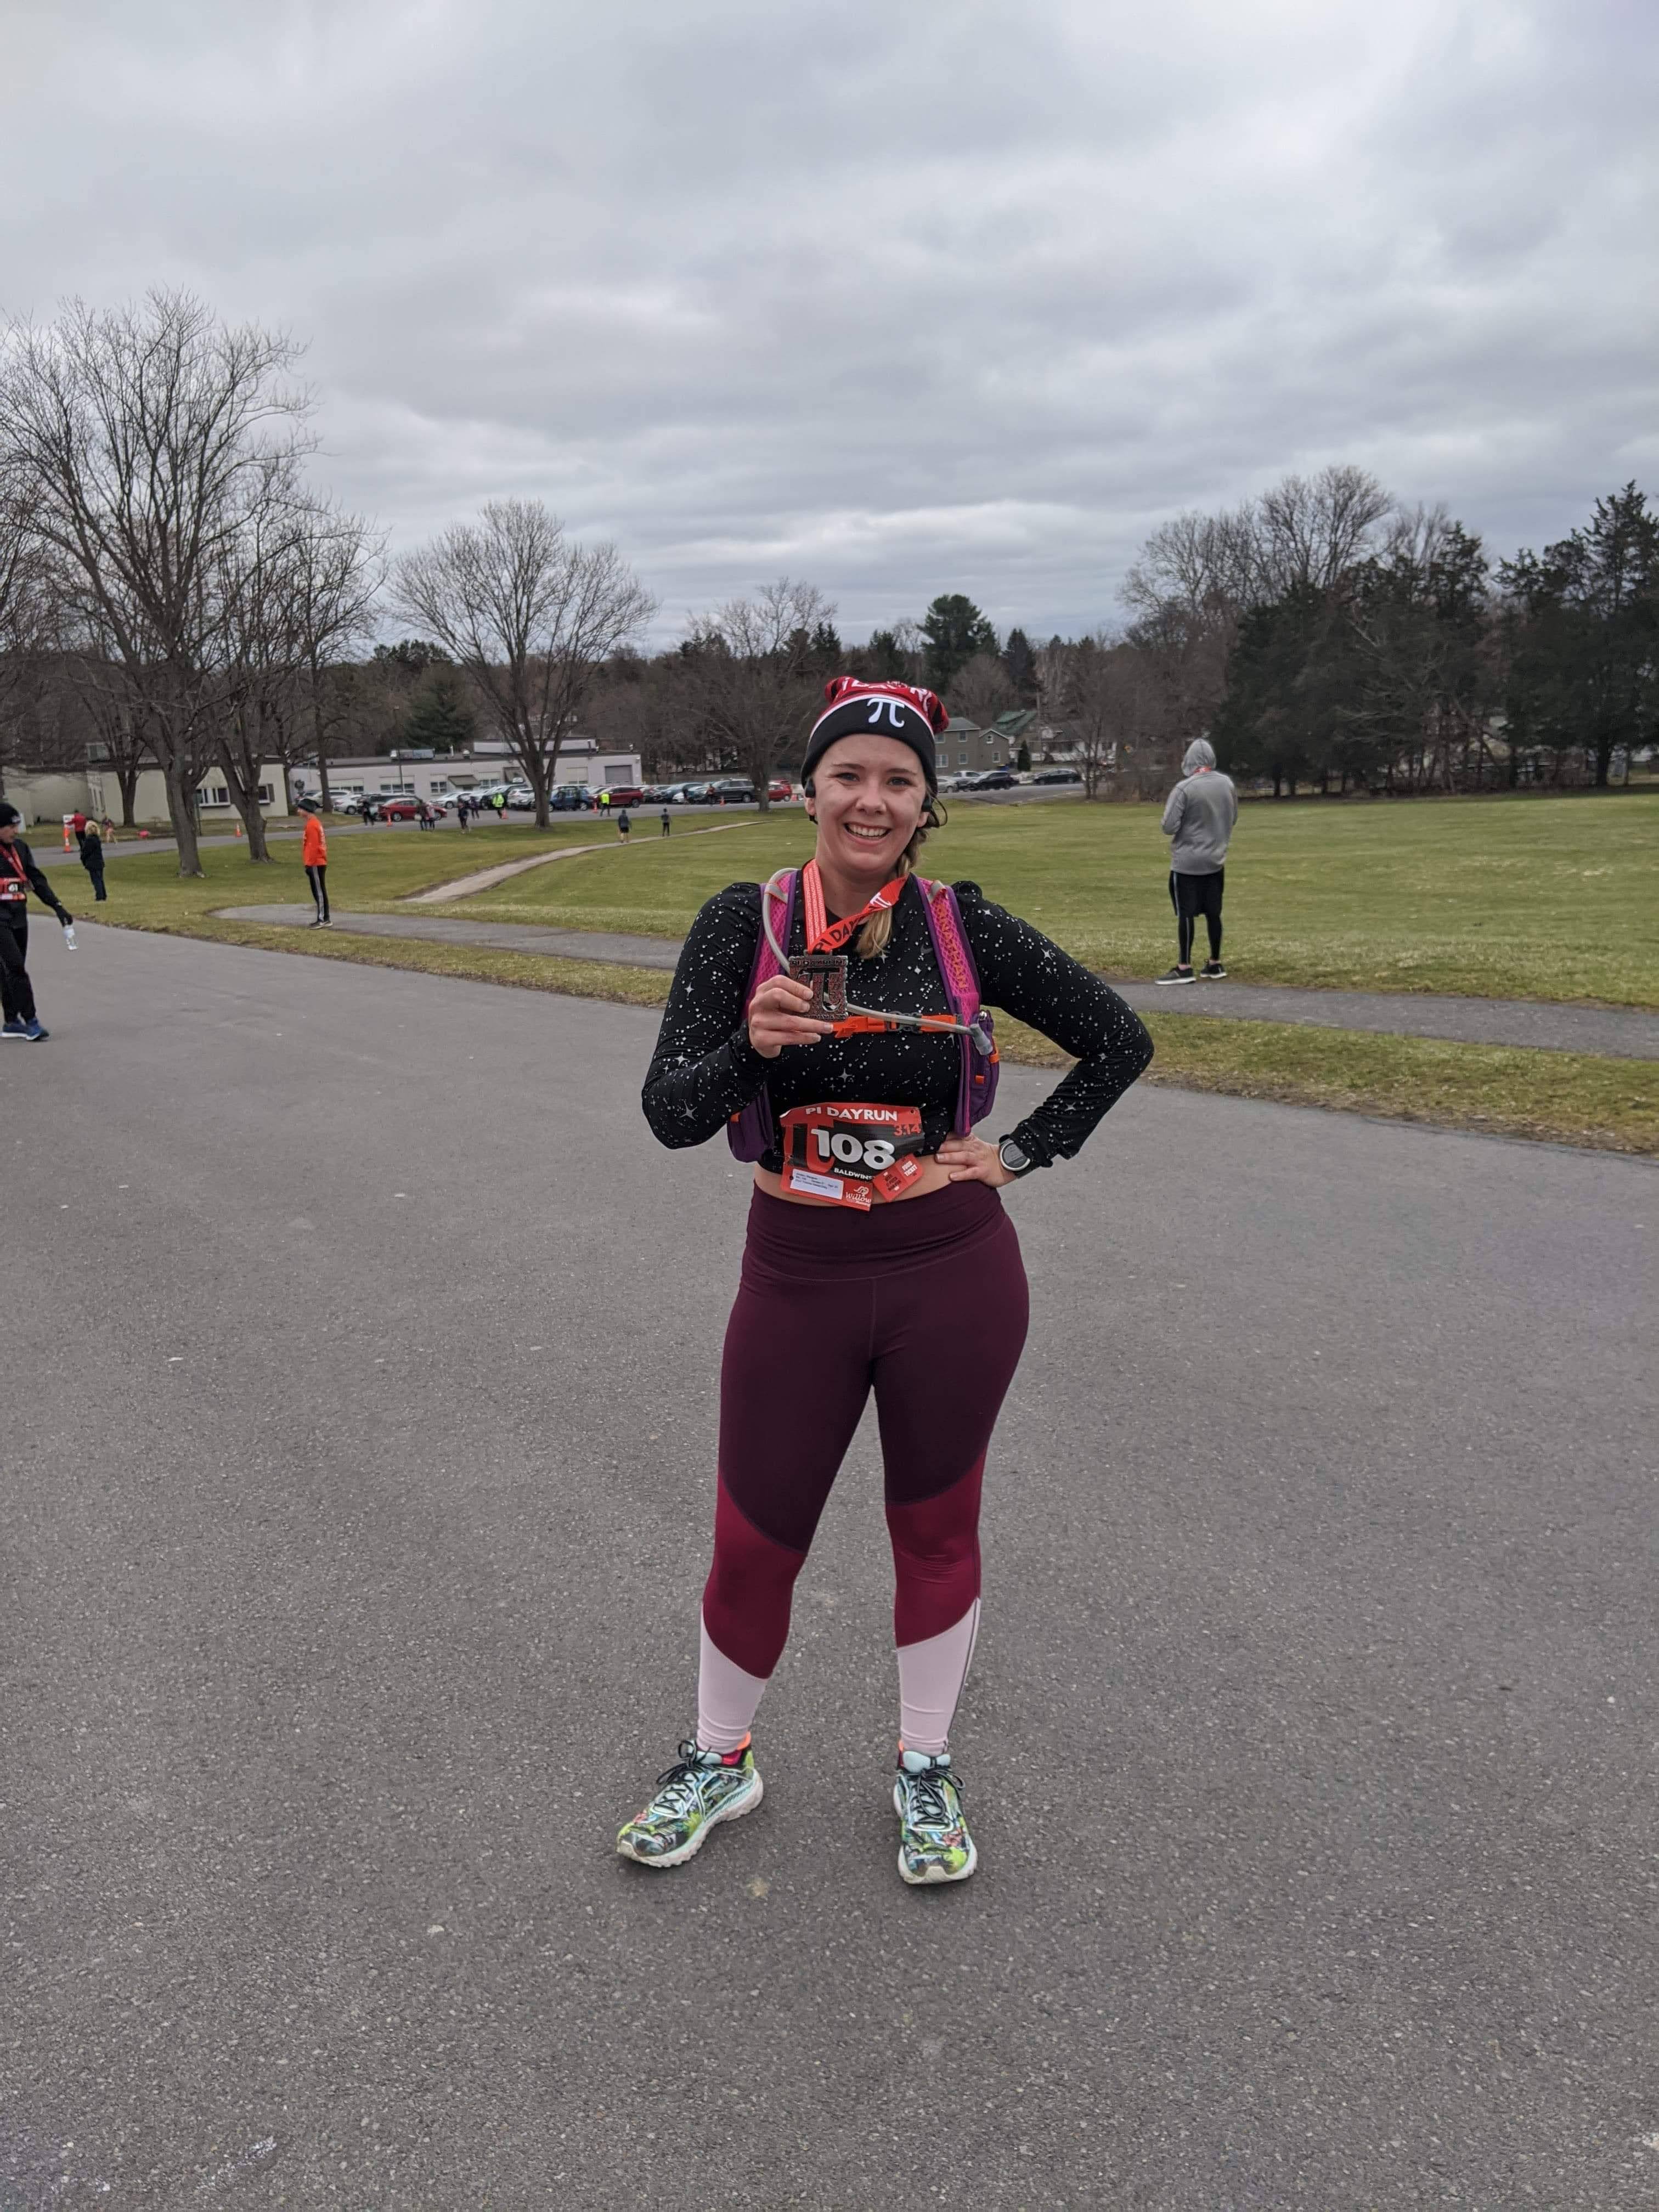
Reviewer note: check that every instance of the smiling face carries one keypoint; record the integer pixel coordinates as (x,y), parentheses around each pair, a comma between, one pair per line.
(869,795)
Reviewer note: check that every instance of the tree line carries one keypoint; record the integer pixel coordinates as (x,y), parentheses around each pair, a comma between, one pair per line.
(175,592)
(1326,638)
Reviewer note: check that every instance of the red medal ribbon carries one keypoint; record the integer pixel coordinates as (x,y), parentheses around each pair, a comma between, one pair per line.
(825,936)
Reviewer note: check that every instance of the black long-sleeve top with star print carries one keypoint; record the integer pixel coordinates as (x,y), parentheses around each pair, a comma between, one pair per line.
(705,1070)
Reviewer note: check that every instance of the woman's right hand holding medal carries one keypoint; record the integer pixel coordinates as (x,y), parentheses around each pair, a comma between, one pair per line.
(778,1016)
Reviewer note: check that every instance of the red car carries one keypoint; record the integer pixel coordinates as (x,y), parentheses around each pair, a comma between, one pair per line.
(399,809)
(625,794)
(780,788)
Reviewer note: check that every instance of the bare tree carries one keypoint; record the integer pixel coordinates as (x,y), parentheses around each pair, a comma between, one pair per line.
(1312,530)
(751,672)
(116,714)
(305,583)
(1103,676)
(982,689)
(340,573)
(148,437)
(29,610)
(530,616)
(1199,575)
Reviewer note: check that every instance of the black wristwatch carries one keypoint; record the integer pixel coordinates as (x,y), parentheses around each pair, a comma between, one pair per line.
(1016,1161)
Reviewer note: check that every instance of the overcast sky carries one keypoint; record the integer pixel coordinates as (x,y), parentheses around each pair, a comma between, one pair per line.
(895,295)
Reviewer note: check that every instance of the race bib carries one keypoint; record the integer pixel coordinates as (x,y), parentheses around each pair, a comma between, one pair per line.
(846,1153)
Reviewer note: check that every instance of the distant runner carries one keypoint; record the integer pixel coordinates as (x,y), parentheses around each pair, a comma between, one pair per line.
(666,825)
(19,876)
(623,825)
(1199,823)
(313,854)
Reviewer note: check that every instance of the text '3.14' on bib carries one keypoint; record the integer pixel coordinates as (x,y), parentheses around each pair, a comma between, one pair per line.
(848,1153)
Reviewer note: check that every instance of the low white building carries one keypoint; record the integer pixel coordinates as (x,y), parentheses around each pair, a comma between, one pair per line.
(95,790)
(440,775)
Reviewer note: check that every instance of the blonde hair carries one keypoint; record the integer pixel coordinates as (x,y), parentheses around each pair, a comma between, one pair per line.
(872,940)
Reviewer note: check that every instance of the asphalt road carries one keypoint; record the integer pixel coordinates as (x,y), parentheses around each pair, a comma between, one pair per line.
(360,1431)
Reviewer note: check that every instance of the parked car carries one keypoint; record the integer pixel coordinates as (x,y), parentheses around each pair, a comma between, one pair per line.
(780,790)
(625,794)
(1057,775)
(995,778)
(398,809)
(520,799)
(571,798)
(732,791)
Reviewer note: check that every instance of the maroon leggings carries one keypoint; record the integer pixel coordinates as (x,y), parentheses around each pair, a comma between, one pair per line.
(924,1302)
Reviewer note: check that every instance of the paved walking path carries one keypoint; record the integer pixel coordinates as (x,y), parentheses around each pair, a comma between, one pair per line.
(1611,1032)
(486,880)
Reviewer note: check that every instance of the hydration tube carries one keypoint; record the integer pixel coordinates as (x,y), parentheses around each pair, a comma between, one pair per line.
(930,1023)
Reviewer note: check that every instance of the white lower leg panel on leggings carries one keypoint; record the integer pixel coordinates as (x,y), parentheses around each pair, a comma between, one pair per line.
(931,1676)
(726,1697)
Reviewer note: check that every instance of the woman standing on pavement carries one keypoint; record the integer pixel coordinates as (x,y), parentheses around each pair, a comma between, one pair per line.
(879,1253)
(19,876)
(92,856)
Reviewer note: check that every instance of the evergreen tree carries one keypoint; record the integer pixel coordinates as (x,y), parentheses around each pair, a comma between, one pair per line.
(954,630)
(1283,680)
(886,656)
(440,717)
(1582,629)
(1020,661)
(411,656)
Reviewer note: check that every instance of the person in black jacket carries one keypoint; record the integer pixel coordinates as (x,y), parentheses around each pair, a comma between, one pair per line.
(19,875)
(92,857)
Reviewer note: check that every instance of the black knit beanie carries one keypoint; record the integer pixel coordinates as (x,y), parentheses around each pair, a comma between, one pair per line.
(878,710)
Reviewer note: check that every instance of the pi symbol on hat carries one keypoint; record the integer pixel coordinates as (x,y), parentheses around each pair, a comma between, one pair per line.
(894,708)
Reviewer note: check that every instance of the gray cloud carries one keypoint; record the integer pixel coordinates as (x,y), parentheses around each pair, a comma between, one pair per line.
(958,296)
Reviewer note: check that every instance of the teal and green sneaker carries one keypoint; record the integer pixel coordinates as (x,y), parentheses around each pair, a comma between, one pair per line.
(701,1789)
(934,1845)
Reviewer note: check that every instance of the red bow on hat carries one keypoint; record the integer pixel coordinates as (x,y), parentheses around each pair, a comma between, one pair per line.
(927,704)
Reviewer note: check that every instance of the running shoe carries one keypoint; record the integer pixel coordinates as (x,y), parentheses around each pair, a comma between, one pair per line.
(35,1033)
(934,1845)
(15,1028)
(1213,972)
(1176,976)
(701,1789)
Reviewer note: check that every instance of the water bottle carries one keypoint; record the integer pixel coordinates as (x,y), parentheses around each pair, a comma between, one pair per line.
(69,935)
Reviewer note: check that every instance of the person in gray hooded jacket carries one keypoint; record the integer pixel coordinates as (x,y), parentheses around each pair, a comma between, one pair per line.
(1199,822)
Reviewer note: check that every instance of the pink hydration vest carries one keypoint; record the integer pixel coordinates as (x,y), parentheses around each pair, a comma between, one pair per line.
(753,1133)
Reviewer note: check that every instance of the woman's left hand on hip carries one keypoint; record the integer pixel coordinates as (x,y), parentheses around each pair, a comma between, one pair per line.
(970,1159)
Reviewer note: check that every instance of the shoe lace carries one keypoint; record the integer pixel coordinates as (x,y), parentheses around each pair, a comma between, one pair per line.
(677,1790)
(928,1806)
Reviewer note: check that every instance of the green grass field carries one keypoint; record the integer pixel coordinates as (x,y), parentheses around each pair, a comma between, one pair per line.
(1545,898)
(1523,898)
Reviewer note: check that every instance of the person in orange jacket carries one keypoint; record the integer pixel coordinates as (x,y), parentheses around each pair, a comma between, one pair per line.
(313,851)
